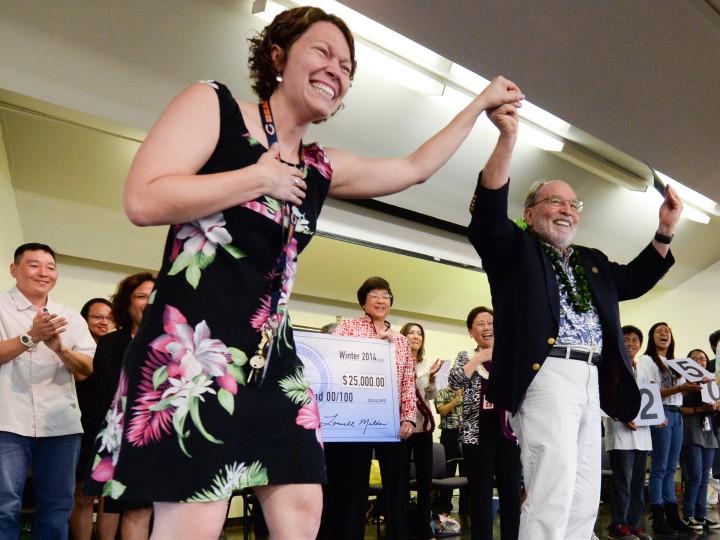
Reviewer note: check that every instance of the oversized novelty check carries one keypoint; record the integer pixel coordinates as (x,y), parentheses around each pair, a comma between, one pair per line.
(355,383)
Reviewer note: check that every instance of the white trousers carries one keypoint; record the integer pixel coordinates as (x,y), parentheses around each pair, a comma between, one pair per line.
(558,427)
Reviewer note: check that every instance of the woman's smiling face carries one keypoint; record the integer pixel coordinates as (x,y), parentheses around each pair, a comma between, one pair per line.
(316,70)
(482,330)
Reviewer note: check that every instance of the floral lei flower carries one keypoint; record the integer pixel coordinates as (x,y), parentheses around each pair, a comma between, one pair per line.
(579,296)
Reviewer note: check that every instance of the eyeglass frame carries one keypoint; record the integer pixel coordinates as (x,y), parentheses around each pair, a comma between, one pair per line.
(384,296)
(98,317)
(556,201)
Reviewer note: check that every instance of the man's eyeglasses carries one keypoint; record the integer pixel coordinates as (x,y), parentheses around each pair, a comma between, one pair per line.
(556,201)
(376,296)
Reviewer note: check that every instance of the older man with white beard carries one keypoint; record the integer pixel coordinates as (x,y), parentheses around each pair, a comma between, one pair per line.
(559,350)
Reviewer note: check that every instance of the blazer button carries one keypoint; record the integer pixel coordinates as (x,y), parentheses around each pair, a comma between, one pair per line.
(536,367)
(551,341)
(594,270)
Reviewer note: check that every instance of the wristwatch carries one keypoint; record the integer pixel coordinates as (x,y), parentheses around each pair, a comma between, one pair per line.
(26,340)
(663,239)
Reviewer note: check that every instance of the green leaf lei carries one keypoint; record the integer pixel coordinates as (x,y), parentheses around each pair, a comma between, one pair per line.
(579,296)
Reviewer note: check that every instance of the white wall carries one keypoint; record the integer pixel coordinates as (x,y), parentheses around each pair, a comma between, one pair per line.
(11,236)
(691,310)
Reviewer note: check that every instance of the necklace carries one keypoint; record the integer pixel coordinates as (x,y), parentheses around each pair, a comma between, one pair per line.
(266,118)
(579,295)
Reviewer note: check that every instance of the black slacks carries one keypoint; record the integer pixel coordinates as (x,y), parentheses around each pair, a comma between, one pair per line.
(495,461)
(345,496)
(420,446)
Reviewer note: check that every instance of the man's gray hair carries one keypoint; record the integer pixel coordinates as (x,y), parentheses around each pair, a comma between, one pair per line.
(533,191)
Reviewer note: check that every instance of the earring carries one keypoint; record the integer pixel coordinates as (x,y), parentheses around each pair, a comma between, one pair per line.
(339,108)
(279,77)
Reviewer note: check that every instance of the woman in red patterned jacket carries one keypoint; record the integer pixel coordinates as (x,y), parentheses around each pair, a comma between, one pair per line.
(348,463)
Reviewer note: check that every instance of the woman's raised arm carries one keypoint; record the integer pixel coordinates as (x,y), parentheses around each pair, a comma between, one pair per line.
(356,177)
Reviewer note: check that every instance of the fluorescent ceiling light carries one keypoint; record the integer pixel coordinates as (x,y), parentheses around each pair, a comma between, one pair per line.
(377,48)
(369,30)
(689,195)
(696,215)
(538,138)
(466,78)
(545,119)
(400,59)
(393,68)
(603,168)
(381,35)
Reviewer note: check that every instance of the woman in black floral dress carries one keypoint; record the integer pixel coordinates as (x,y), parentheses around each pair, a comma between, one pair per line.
(212,396)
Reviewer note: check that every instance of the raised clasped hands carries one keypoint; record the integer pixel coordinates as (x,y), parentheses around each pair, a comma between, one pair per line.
(505,119)
(47,328)
(499,92)
(285,182)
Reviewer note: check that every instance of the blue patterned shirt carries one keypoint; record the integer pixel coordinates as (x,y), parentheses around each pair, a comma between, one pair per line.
(577,328)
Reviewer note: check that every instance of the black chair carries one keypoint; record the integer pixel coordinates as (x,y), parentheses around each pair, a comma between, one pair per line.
(440,482)
(249,501)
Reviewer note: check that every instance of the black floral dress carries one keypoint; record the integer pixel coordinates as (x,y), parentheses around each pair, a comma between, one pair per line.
(186,423)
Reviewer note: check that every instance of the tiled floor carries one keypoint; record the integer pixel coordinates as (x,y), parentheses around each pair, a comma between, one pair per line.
(236,533)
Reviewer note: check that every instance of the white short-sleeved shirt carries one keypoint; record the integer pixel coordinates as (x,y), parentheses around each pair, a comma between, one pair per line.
(651,374)
(37,391)
(619,437)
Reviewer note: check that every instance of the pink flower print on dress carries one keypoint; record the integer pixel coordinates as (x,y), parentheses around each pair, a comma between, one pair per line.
(104,470)
(270,208)
(193,350)
(201,239)
(147,423)
(183,365)
(204,235)
(262,314)
(316,157)
(228,382)
(309,417)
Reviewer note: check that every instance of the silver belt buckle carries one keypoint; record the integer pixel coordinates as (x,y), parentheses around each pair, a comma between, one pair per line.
(590,353)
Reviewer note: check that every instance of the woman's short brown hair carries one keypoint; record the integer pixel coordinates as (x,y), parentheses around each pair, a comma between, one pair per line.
(285,29)
(371,284)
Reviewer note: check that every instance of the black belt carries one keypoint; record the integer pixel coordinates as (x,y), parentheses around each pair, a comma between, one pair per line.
(672,408)
(575,354)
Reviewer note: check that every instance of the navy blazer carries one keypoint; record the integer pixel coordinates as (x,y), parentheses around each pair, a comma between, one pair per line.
(526,302)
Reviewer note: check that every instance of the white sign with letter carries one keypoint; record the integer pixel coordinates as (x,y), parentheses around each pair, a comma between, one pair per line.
(355,384)
(694,372)
(651,410)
